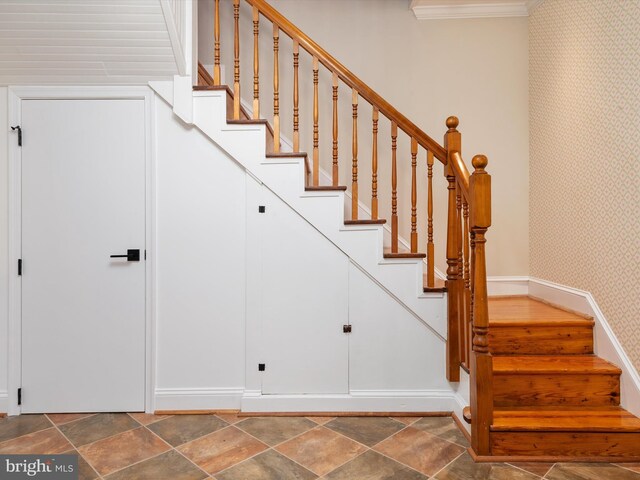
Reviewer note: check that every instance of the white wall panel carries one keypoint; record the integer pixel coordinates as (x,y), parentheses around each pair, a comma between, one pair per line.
(389,349)
(4,261)
(200,261)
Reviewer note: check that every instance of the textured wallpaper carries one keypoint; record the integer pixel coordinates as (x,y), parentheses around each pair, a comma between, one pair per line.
(585,154)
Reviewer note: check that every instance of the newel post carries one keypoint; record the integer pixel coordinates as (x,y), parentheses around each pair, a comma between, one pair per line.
(481,361)
(452,143)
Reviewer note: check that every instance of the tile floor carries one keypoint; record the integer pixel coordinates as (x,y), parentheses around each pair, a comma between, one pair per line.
(137,446)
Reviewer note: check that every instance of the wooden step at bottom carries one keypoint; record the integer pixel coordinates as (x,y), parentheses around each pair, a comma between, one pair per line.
(439,285)
(389,254)
(567,419)
(555,380)
(380,221)
(325,188)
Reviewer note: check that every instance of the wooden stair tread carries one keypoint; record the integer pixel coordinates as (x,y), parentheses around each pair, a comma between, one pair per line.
(567,419)
(402,254)
(553,364)
(439,285)
(325,188)
(524,310)
(380,221)
(287,155)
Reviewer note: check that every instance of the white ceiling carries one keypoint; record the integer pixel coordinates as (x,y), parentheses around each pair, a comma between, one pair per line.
(84,41)
(447,9)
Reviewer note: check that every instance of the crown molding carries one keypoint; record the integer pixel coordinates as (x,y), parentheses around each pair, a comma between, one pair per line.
(450,9)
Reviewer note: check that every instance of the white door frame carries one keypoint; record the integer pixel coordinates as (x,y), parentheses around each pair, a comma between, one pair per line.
(16,95)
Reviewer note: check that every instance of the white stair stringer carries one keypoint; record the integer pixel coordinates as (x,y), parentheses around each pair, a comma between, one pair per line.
(401,278)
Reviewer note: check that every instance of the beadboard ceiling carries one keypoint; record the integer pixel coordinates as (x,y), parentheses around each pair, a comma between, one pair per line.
(84,42)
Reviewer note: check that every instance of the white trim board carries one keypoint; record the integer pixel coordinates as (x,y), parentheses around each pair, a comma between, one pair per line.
(357,401)
(4,401)
(606,344)
(15,95)
(448,9)
(198,398)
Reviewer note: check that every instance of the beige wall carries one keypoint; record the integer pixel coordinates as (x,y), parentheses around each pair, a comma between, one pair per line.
(585,154)
(475,69)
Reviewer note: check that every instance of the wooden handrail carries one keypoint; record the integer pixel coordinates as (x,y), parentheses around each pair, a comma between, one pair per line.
(461,172)
(350,79)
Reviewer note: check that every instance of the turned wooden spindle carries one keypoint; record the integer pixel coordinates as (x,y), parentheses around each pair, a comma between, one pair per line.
(481,361)
(316,155)
(354,152)
(335,173)
(276,90)
(467,284)
(414,196)
(256,66)
(296,117)
(374,167)
(430,247)
(452,143)
(236,59)
(216,44)
(460,281)
(394,188)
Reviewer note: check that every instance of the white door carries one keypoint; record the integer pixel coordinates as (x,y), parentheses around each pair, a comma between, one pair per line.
(304,305)
(83,200)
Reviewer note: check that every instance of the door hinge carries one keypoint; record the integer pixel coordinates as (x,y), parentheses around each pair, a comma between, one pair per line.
(262,209)
(19,266)
(261,367)
(17,127)
(20,396)
(346,328)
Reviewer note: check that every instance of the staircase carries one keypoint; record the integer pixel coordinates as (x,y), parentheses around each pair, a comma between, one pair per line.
(537,390)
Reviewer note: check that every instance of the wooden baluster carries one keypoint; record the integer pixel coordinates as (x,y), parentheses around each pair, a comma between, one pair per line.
(414,196)
(296,132)
(430,247)
(256,66)
(374,167)
(354,150)
(394,188)
(276,90)
(316,156)
(452,142)
(216,48)
(335,172)
(467,285)
(236,60)
(481,361)
(461,312)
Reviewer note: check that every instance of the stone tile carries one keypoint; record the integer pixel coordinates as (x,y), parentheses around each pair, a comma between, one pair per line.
(373,466)
(169,465)
(181,429)
(420,450)
(406,420)
(590,471)
(222,449)
(464,468)
(147,418)
(43,442)
(443,427)
(275,430)
(536,468)
(269,465)
(61,418)
(13,427)
(230,418)
(97,427)
(321,420)
(114,453)
(321,450)
(366,430)
(85,471)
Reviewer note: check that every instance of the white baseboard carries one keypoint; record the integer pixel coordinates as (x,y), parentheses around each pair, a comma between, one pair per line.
(357,401)
(507,286)
(198,398)
(606,344)
(4,401)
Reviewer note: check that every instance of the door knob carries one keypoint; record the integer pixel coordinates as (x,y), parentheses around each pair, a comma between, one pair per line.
(131,256)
